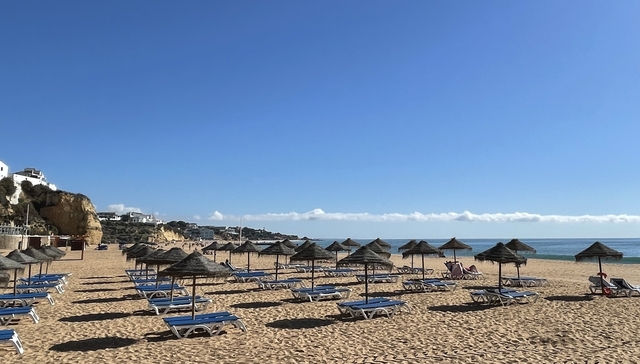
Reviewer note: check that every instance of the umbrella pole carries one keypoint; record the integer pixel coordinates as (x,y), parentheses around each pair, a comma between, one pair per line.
(313,269)
(229,257)
(336,259)
(499,277)
(15,282)
(29,278)
(214,255)
(454,256)
(601,279)
(422,266)
(518,269)
(366,284)
(40,274)
(412,261)
(248,262)
(193,299)
(277,264)
(173,280)
(47,269)
(157,271)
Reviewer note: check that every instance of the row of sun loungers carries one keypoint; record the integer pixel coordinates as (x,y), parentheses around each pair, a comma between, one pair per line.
(319,293)
(163,305)
(340,272)
(429,285)
(504,297)
(24,299)
(614,287)
(378,278)
(524,281)
(281,283)
(408,270)
(254,276)
(375,306)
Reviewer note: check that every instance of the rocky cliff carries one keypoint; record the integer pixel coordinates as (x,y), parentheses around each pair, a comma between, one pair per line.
(73,214)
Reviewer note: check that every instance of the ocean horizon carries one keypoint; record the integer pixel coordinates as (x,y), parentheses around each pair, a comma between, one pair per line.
(551,248)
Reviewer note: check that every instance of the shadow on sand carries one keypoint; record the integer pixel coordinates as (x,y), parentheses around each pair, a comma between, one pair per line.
(95,317)
(586,297)
(98,343)
(300,323)
(467,307)
(256,304)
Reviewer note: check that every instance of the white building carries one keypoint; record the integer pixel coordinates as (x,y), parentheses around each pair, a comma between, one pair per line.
(108,216)
(140,217)
(36,177)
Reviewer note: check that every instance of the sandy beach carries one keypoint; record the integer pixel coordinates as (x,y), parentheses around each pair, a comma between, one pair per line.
(101,319)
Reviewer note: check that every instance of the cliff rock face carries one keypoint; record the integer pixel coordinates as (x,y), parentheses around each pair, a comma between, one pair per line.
(166,235)
(73,214)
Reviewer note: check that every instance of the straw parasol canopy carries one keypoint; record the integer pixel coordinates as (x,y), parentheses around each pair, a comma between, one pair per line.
(139,253)
(598,251)
(22,258)
(382,243)
(288,244)
(379,250)
(410,244)
(365,256)
(312,253)
(214,246)
(194,265)
(501,254)
(56,249)
(55,254)
(229,247)
(277,249)
(132,248)
(248,247)
(9,264)
(303,246)
(422,248)
(350,243)
(35,253)
(518,246)
(336,247)
(170,256)
(454,244)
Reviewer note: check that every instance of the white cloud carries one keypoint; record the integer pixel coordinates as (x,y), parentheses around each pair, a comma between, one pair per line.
(197,217)
(466,216)
(216,216)
(121,208)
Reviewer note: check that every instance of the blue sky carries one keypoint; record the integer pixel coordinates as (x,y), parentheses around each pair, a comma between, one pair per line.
(333,119)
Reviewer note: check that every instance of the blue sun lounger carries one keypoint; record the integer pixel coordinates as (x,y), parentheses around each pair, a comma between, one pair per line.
(320,293)
(250,276)
(164,305)
(163,290)
(340,272)
(12,337)
(281,283)
(150,281)
(212,323)
(13,314)
(39,287)
(344,306)
(43,280)
(24,299)
(378,278)
(504,297)
(368,311)
(429,285)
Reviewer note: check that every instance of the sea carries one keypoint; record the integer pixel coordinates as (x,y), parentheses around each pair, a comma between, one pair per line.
(554,249)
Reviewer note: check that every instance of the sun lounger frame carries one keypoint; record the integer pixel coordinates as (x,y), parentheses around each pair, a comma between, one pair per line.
(11,336)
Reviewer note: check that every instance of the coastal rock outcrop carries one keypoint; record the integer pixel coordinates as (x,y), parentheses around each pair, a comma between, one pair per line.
(73,214)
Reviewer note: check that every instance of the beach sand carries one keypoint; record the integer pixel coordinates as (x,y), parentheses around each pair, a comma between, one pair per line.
(100,319)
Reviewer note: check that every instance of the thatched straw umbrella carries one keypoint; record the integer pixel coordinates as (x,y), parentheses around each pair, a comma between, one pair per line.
(8,264)
(56,249)
(288,244)
(422,248)
(382,243)
(22,258)
(410,244)
(131,248)
(139,253)
(35,253)
(312,253)
(168,257)
(303,246)
(454,244)
(277,249)
(248,247)
(229,247)
(52,253)
(213,247)
(500,254)
(194,265)
(518,246)
(378,250)
(336,247)
(365,256)
(350,243)
(599,251)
